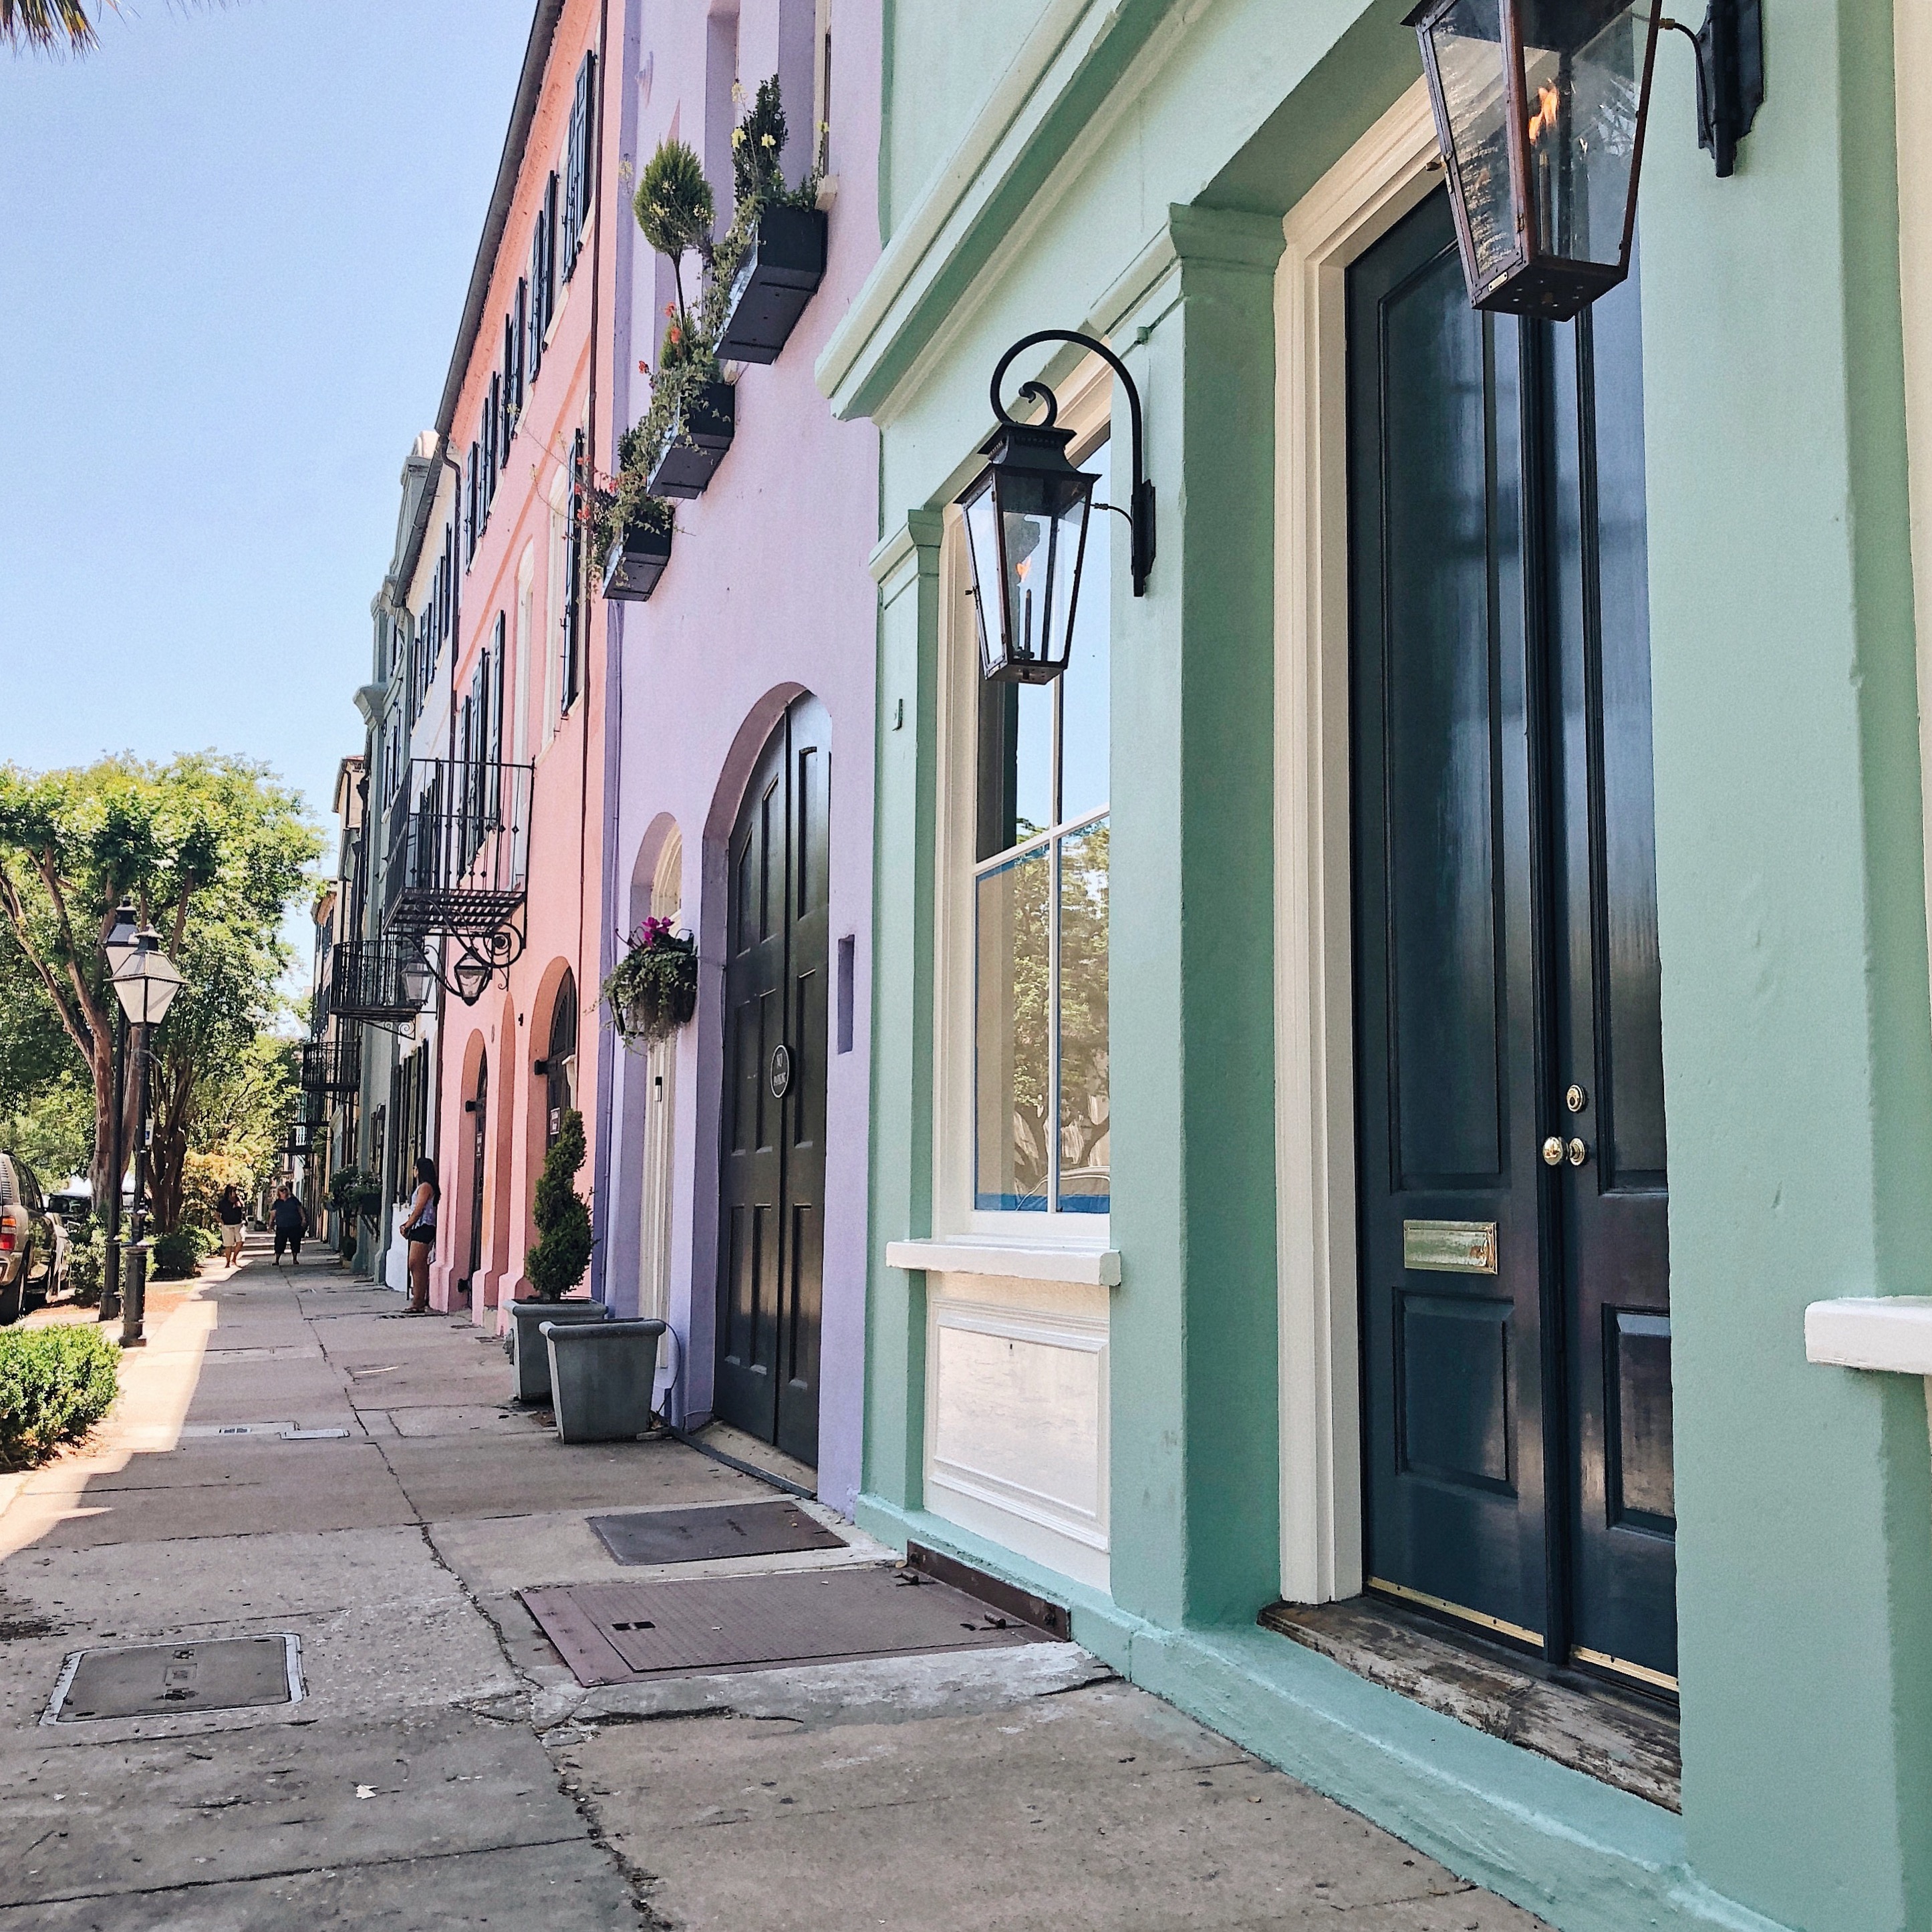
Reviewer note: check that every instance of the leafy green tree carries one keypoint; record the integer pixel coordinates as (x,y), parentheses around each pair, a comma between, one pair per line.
(555,1263)
(674,208)
(211,850)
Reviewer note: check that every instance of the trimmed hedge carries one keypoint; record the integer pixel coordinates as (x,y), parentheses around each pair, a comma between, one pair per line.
(54,1384)
(177,1257)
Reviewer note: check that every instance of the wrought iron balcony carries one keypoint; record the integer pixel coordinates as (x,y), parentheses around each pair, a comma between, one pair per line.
(333,1065)
(459,851)
(384,980)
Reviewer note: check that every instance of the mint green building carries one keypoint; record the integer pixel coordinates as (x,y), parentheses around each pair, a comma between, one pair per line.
(1373,1067)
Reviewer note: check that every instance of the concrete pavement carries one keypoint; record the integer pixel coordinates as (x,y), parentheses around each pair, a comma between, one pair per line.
(445,1769)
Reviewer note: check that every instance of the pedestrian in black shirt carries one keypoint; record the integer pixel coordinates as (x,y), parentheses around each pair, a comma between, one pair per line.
(289,1220)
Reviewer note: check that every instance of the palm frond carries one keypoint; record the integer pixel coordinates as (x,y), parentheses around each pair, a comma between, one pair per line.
(48,23)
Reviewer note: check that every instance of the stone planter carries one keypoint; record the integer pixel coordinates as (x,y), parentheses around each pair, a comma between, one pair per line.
(635,563)
(602,1377)
(529,1360)
(698,441)
(777,278)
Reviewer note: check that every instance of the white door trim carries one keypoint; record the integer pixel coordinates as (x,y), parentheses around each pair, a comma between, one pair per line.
(1384,174)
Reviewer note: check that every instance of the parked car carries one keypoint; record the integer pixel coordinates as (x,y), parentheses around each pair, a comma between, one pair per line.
(74,1204)
(33,1241)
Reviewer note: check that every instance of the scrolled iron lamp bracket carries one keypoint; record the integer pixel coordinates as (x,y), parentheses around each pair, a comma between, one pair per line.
(1140,512)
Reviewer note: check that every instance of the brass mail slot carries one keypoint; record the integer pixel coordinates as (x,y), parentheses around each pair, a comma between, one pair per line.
(1449,1247)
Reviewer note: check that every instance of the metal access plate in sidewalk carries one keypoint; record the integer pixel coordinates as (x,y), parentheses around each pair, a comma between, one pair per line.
(702,1534)
(152,1680)
(623,1633)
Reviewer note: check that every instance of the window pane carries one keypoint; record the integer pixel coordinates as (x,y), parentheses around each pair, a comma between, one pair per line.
(1084,787)
(1015,764)
(1011,1090)
(1084,1139)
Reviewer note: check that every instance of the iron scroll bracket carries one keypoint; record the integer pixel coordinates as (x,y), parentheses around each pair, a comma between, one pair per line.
(1141,515)
(1730,75)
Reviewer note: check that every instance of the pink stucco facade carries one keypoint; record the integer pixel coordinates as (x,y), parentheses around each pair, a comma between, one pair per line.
(513,597)
(766,599)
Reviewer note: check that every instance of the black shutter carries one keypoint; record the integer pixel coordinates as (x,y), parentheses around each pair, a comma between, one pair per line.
(533,353)
(573,591)
(496,657)
(474,503)
(518,325)
(579,156)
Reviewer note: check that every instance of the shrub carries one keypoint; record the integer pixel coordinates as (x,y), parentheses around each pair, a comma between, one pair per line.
(54,1384)
(652,991)
(556,1264)
(176,1257)
(87,1265)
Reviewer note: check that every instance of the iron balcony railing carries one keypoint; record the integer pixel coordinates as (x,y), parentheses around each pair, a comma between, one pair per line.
(378,979)
(459,848)
(333,1065)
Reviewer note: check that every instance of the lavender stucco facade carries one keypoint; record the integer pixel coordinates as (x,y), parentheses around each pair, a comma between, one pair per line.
(766,605)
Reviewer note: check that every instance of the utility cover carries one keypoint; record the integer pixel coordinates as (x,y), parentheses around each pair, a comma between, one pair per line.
(702,1534)
(622,1633)
(159,1679)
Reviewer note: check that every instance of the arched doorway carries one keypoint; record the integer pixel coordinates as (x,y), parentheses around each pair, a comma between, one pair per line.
(560,1066)
(477,1107)
(667,902)
(771,1228)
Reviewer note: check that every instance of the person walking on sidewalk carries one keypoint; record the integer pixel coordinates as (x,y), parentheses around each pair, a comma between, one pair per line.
(289,1220)
(419,1230)
(234,1219)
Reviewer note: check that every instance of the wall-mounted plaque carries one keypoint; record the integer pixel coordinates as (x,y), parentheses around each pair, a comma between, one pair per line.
(1449,1247)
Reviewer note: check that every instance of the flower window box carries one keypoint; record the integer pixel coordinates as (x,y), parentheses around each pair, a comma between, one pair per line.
(779,275)
(700,435)
(636,561)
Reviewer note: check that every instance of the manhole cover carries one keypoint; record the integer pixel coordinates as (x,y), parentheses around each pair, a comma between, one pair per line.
(700,1535)
(620,1632)
(157,1679)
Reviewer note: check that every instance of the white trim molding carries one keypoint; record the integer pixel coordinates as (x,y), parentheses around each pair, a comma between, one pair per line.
(1888,1332)
(1008,1260)
(1388,171)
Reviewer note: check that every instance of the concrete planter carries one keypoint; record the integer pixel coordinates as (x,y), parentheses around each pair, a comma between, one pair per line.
(530,1363)
(600,1378)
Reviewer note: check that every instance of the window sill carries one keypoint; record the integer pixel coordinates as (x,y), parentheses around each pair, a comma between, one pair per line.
(1091,1268)
(1891,1332)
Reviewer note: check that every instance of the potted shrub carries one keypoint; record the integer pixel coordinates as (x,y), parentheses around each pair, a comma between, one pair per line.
(771,263)
(652,991)
(556,1263)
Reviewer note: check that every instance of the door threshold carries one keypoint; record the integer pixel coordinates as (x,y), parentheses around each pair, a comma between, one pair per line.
(1613,1735)
(752,1456)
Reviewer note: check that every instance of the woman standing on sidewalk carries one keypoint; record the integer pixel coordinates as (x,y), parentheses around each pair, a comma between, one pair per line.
(419,1230)
(289,1220)
(234,1219)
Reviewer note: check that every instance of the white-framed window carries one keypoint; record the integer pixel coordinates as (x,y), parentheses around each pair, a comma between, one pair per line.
(1022,1088)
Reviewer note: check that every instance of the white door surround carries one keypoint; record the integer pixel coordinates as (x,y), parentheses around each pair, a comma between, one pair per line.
(1392,168)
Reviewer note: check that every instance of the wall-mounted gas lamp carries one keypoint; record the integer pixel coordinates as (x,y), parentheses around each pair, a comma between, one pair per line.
(1540,108)
(1026,527)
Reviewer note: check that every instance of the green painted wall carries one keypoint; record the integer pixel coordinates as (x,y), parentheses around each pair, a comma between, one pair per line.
(1797,1065)
(1798,1045)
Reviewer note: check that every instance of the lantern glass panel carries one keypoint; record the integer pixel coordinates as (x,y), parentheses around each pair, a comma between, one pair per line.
(1468,42)
(1025,532)
(1583,69)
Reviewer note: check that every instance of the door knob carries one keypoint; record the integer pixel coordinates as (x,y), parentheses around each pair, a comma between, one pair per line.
(1579,1153)
(1552,1150)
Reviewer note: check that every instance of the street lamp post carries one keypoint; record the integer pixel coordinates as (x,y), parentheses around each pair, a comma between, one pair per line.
(118,945)
(145,982)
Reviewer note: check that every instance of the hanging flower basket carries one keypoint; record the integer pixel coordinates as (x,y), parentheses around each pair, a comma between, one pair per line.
(700,433)
(652,991)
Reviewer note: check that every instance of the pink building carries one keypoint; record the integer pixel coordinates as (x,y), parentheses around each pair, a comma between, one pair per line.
(496,853)
(731,1170)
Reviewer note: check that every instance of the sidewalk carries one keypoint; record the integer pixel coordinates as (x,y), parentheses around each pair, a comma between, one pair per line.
(445,1769)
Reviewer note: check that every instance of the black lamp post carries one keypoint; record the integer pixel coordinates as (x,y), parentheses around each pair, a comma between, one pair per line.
(118,945)
(145,982)
(1540,107)
(1026,527)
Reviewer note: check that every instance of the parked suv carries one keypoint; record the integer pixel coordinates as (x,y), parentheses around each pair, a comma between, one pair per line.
(33,1241)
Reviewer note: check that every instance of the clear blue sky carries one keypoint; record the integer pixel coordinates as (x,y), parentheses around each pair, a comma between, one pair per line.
(234,243)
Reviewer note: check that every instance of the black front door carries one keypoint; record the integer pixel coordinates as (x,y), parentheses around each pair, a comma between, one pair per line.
(1510,1086)
(771,1231)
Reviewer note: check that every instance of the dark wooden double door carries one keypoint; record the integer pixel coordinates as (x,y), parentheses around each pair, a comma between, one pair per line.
(772,1236)
(1513,1245)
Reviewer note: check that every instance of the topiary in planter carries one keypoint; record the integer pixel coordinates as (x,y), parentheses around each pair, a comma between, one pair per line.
(653,989)
(555,1263)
